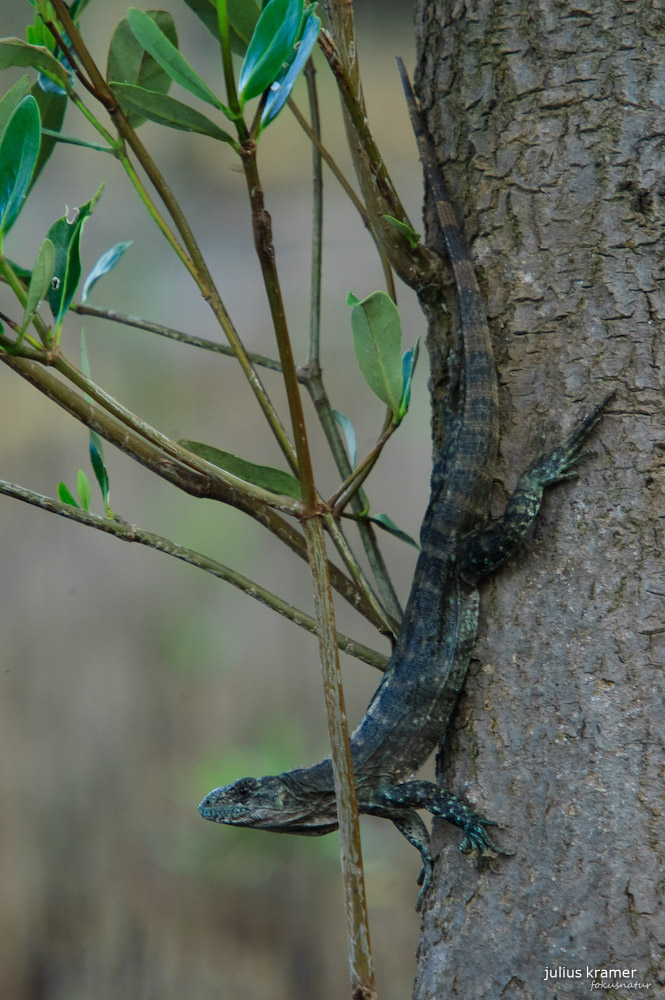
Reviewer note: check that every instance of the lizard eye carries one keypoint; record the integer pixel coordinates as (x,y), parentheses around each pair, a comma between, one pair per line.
(244,787)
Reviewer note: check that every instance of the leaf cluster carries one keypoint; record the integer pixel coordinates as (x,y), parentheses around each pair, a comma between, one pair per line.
(263,51)
(143,61)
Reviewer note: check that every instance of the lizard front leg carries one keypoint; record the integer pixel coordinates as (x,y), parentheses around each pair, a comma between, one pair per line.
(410,825)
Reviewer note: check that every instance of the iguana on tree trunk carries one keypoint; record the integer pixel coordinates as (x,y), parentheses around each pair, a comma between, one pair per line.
(411,709)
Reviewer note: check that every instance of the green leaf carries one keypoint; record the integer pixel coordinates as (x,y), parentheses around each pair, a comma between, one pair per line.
(95,447)
(105,263)
(19,150)
(83,488)
(166,54)
(383,521)
(52,109)
(242,15)
(349,436)
(12,99)
(409,360)
(274,480)
(283,85)
(128,61)
(99,467)
(40,281)
(64,496)
(167,111)
(274,36)
(16,52)
(410,234)
(377,340)
(37,33)
(66,237)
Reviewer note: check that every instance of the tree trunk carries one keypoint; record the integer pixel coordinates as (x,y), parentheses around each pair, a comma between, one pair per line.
(550,119)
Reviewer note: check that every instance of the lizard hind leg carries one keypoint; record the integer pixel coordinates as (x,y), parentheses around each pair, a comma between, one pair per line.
(482,551)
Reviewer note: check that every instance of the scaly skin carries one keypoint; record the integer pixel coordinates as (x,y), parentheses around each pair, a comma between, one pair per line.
(411,709)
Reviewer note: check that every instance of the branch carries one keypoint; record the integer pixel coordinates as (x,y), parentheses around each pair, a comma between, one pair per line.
(184,477)
(355,903)
(353,482)
(311,373)
(171,334)
(416,266)
(130,533)
(265,251)
(159,440)
(348,190)
(193,259)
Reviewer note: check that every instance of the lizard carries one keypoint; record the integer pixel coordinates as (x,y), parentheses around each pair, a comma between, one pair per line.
(410,711)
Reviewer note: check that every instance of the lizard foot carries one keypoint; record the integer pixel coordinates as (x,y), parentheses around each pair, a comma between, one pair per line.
(477,840)
(425,880)
(561,463)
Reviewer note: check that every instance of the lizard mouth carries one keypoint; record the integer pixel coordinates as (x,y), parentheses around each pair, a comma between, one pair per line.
(243,804)
(264,819)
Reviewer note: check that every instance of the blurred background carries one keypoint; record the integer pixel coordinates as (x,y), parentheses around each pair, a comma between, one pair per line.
(133,684)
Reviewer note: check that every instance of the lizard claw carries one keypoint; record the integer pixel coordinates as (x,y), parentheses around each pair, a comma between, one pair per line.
(424,881)
(478,841)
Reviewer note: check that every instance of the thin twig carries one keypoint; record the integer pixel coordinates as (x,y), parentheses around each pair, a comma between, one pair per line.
(340,745)
(359,502)
(314,346)
(265,251)
(415,265)
(357,477)
(348,190)
(171,334)
(389,625)
(130,533)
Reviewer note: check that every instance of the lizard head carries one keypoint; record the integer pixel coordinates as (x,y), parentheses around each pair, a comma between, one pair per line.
(271,803)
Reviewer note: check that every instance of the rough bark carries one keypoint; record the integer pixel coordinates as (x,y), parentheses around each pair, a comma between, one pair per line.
(550,117)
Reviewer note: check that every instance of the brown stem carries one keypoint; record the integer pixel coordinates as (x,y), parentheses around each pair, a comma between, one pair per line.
(351,194)
(265,250)
(357,477)
(71,59)
(355,904)
(416,266)
(360,959)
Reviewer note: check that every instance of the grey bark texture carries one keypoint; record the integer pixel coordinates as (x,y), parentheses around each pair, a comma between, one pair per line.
(549,116)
